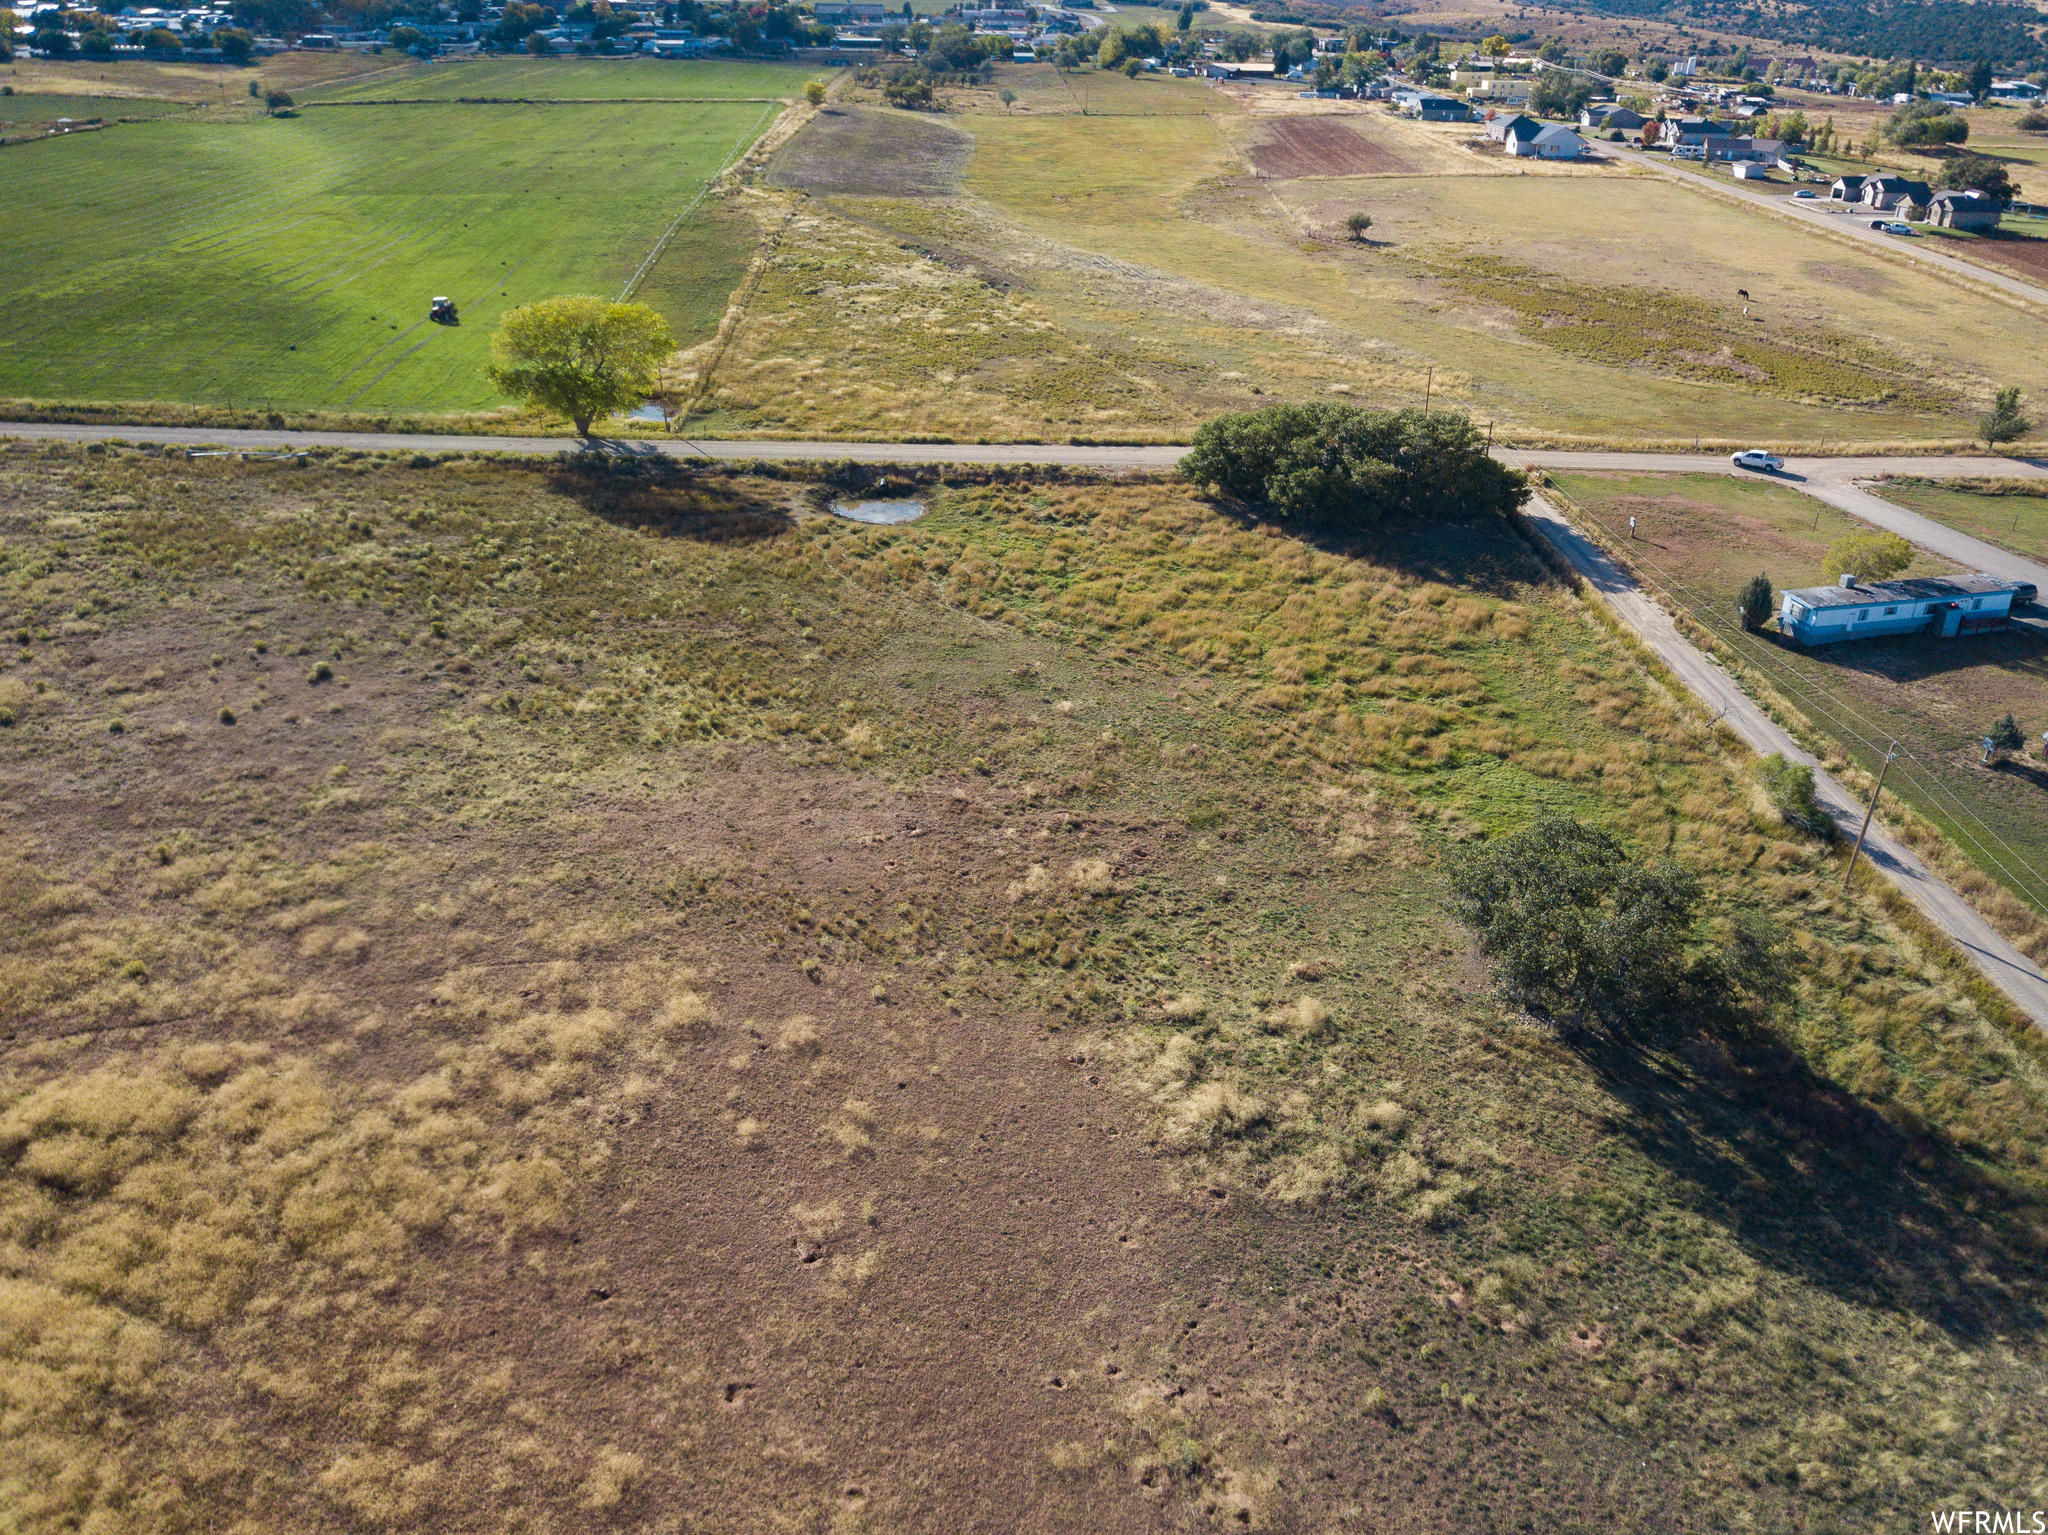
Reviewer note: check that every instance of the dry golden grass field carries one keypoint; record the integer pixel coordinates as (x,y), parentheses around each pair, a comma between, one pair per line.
(1063,270)
(579,996)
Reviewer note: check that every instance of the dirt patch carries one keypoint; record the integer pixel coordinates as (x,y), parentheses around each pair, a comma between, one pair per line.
(874,154)
(1321,146)
(2026,255)
(1854,276)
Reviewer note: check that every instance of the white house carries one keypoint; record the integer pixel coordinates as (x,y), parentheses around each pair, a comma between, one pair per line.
(2015,90)
(1555,142)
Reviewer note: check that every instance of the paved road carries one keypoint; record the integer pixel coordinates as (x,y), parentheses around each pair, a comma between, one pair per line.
(261,440)
(2006,968)
(1837,482)
(1815,212)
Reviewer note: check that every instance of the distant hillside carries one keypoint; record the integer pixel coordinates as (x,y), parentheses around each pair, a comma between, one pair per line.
(1947,31)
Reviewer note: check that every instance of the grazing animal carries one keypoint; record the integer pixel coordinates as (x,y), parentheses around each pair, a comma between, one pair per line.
(1742,293)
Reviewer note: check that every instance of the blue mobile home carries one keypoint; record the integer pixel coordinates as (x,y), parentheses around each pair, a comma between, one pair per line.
(1944,605)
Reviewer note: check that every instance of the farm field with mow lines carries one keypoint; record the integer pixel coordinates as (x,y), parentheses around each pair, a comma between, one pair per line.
(289,262)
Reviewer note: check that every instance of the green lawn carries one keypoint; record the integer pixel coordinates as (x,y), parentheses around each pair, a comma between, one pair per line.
(289,262)
(2012,519)
(1699,537)
(580,79)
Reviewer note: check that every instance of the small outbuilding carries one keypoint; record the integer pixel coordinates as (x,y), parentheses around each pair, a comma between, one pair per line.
(1854,610)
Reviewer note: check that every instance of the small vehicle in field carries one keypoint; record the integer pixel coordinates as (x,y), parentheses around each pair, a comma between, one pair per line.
(442,311)
(1758,459)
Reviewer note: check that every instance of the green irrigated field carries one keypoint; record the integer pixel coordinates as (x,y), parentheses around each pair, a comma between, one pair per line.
(290,262)
(581,79)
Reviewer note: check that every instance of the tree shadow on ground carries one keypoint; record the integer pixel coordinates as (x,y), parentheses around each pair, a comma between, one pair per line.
(1915,657)
(655,492)
(1815,1182)
(1480,553)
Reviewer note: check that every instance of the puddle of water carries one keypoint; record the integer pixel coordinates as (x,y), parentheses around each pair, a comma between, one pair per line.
(647,412)
(880,511)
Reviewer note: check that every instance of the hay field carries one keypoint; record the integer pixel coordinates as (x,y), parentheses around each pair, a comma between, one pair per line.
(194,84)
(288,263)
(583,996)
(625,79)
(1582,302)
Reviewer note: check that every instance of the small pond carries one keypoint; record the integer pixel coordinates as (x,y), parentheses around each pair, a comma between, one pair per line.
(880,511)
(648,412)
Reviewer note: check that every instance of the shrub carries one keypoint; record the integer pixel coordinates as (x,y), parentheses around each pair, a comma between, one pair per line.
(814,92)
(909,90)
(1571,921)
(1344,464)
(2004,423)
(1753,602)
(1790,786)
(1358,224)
(2035,121)
(1867,556)
(2004,734)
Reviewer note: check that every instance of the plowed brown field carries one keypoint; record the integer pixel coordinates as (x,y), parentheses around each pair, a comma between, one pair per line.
(1321,146)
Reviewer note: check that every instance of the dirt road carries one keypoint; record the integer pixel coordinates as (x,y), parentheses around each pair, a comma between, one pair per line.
(2006,968)
(1838,481)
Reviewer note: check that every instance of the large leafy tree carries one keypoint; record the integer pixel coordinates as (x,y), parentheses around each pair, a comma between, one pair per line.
(579,356)
(1571,920)
(1558,93)
(1925,125)
(1339,463)
(1872,556)
(1979,174)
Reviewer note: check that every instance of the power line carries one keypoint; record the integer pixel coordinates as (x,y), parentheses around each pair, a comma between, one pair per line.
(1815,695)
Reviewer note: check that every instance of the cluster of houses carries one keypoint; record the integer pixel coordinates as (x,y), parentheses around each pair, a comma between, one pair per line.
(1951,209)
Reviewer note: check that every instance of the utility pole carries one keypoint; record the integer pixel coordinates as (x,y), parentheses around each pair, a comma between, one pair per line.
(1428,381)
(1890,752)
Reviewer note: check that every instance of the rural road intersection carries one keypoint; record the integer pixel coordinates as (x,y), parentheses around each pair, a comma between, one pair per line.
(1834,481)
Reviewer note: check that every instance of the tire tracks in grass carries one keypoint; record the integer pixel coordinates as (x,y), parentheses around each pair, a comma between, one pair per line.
(396,361)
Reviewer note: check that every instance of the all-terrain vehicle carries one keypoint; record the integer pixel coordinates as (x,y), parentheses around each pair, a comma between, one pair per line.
(443,311)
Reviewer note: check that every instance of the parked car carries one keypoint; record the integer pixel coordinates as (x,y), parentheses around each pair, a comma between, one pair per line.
(1757,458)
(1898,229)
(1880,225)
(2024,593)
(1805,192)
